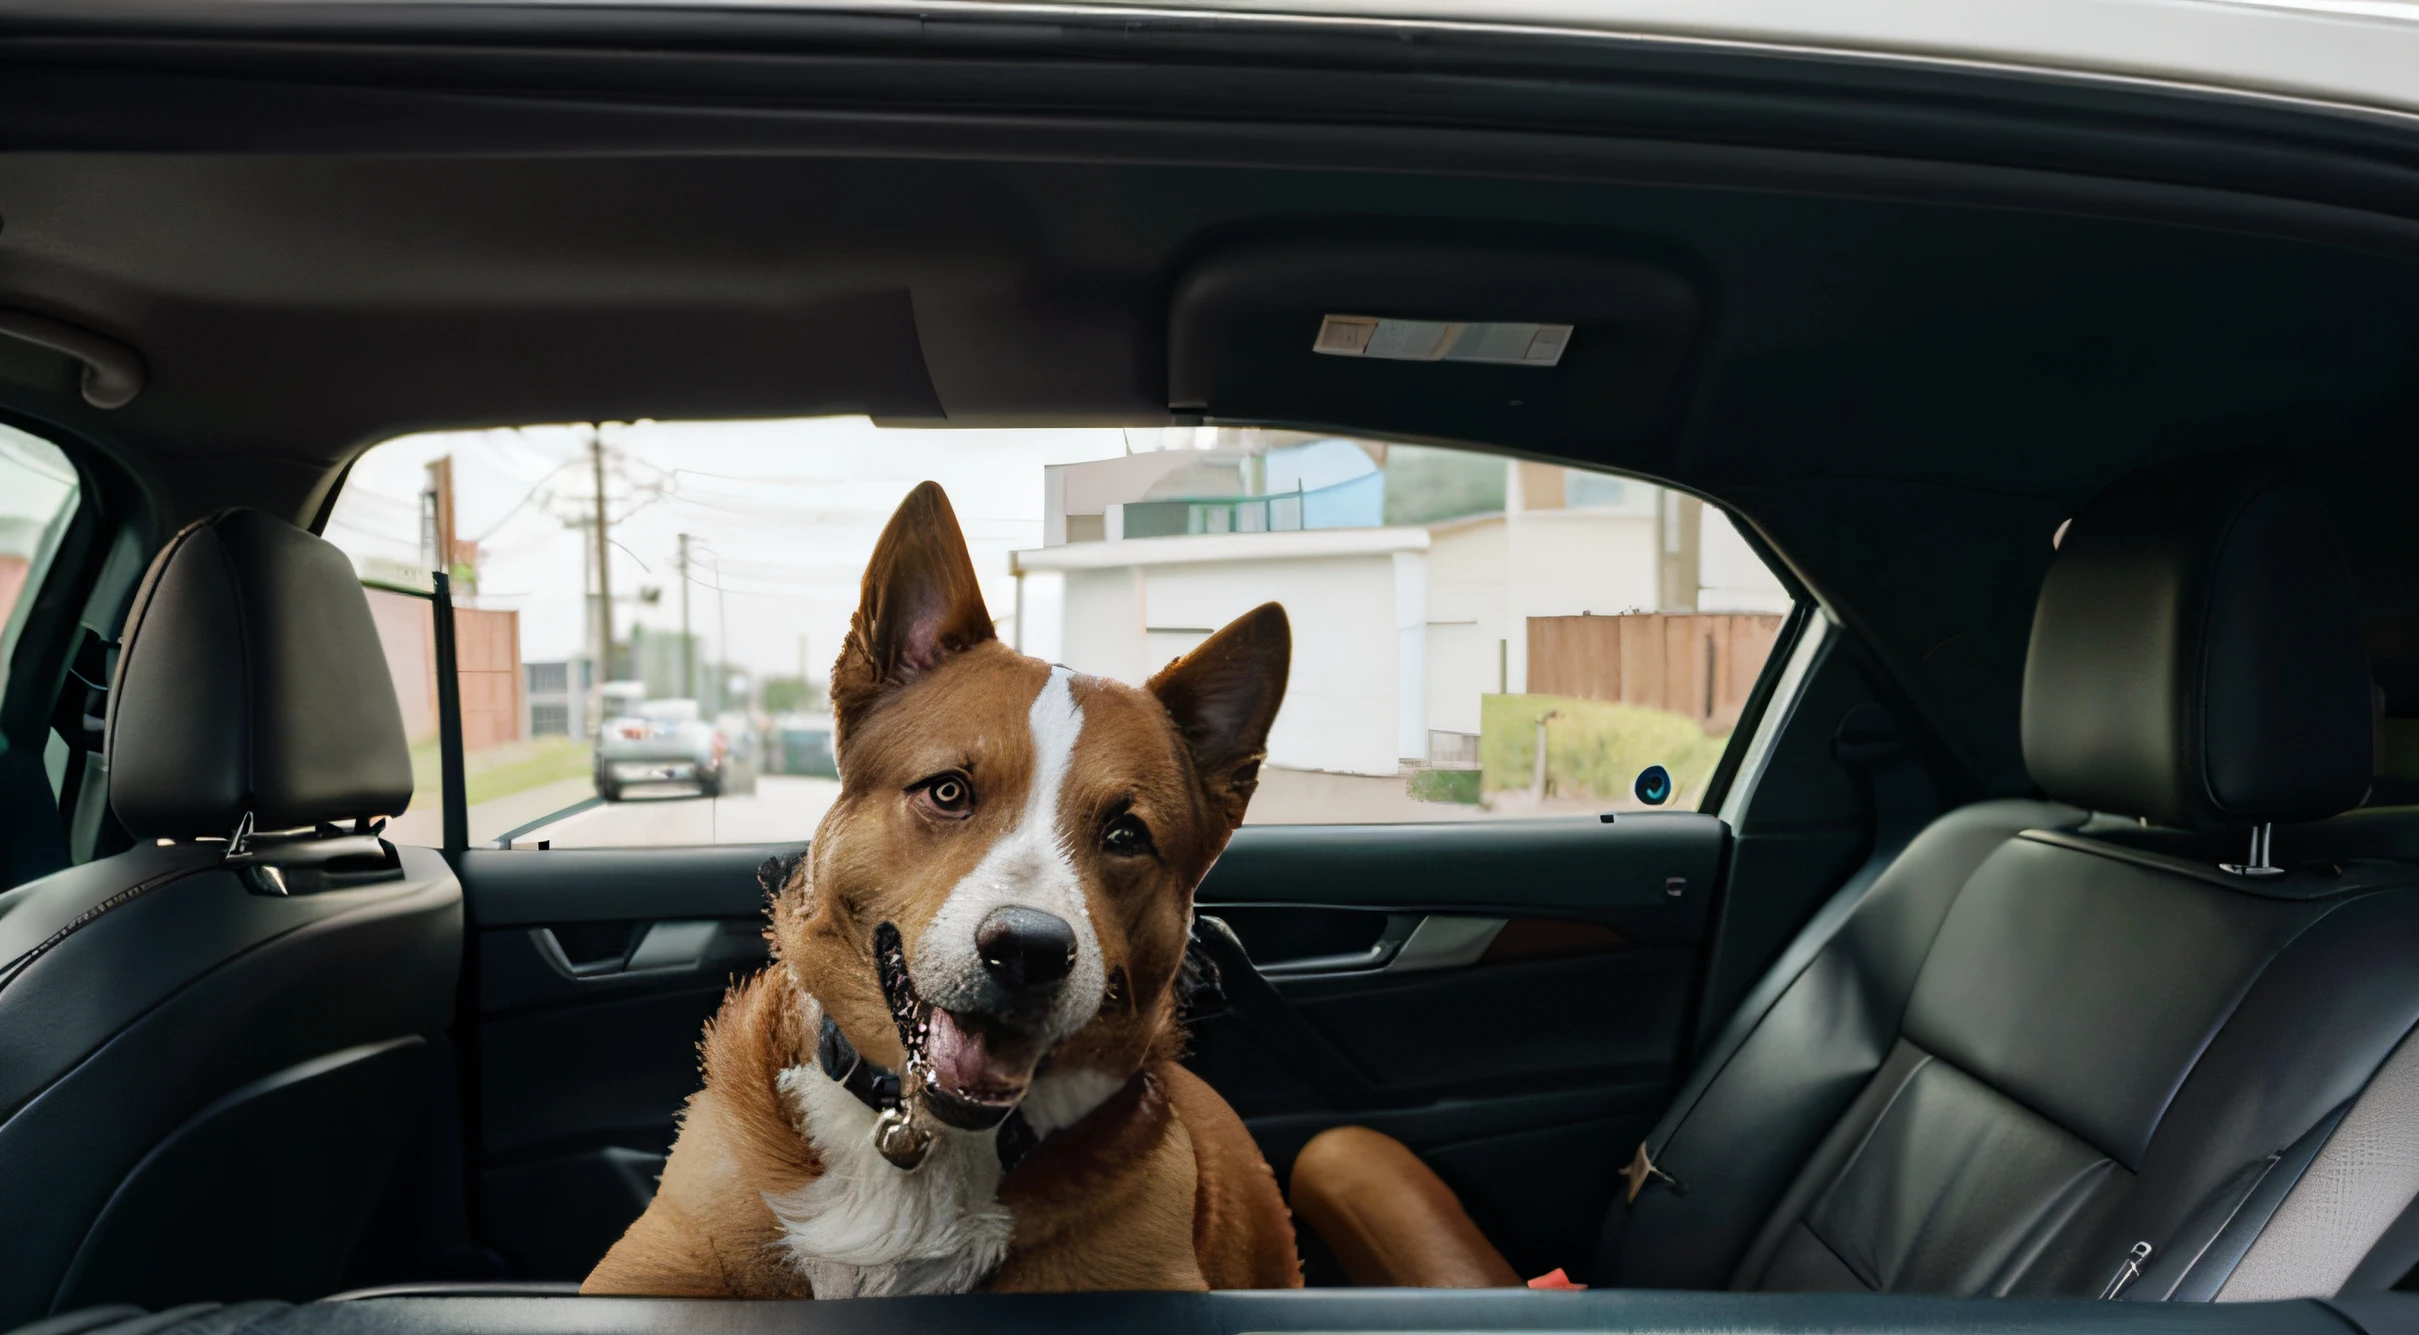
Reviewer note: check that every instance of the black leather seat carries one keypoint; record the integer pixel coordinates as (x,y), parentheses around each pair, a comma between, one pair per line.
(212,1052)
(2046,1043)
(2054,1053)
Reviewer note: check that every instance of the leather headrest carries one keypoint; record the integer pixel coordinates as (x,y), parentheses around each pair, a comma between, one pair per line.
(2198,656)
(252,680)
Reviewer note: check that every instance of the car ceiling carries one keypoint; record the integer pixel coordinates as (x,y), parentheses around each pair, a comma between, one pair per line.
(1904,370)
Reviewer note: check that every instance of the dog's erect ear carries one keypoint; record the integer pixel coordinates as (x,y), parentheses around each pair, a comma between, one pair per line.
(1223,695)
(920,605)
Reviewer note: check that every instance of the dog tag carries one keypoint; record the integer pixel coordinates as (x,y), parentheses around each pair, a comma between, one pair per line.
(902,1138)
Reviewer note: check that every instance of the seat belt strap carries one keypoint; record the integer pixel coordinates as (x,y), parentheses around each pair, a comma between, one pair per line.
(1868,742)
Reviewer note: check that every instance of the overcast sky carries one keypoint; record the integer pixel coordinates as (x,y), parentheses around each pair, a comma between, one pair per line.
(782,515)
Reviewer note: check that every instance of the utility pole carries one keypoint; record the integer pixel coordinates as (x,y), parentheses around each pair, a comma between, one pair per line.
(604,569)
(688,647)
(722,635)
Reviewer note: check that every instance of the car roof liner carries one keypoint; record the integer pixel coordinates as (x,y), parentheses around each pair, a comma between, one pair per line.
(1875,308)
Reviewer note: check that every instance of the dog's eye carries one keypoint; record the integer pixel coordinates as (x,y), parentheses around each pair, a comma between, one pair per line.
(950,794)
(1126,835)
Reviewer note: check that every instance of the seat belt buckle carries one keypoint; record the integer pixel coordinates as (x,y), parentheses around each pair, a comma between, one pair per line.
(1642,1170)
(2127,1272)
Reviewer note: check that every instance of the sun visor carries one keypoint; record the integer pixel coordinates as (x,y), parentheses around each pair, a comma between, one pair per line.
(1560,352)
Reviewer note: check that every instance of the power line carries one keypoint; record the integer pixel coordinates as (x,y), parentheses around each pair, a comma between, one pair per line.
(355,495)
(373,534)
(526,497)
(617,543)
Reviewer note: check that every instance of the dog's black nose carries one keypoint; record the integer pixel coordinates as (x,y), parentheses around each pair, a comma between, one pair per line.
(1025,947)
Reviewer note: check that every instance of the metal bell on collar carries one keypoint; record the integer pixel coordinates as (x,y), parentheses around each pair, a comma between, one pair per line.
(901,1133)
(902,1138)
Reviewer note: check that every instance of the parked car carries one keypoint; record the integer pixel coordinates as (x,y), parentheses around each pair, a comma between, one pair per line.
(662,741)
(802,744)
(743,758)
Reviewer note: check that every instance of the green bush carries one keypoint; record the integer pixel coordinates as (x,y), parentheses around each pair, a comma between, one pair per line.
(1593,749)
(1445,785)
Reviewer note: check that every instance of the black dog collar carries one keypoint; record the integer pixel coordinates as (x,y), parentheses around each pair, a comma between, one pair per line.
(878,1089)
(1200,995)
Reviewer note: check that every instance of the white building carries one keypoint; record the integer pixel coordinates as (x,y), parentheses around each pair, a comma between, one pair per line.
(1398,631)
(1357,598)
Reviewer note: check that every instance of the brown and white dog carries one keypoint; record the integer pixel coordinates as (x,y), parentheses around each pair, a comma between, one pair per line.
(960,1070)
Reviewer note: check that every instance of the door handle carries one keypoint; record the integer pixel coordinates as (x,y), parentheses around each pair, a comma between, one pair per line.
(1410,943)
(1443,942)
(1398,929)
(664,948)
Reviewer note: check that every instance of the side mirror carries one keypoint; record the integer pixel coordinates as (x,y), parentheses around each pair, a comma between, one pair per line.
(1653,786)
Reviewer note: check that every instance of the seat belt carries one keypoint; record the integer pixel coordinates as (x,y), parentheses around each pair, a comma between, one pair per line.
(80,715)
(1868,743)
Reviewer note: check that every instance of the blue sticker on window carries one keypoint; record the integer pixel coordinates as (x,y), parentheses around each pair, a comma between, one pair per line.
(1653,786)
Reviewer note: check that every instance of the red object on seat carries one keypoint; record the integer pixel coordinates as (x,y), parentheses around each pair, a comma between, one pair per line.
(1555,1279)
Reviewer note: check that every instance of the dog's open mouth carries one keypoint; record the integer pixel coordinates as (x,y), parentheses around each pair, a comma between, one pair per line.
(985,1065)
(976,1069)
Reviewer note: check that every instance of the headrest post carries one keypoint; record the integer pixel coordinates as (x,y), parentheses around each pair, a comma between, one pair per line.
(2259,863)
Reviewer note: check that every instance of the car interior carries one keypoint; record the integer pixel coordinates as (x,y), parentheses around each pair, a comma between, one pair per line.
(2045,956)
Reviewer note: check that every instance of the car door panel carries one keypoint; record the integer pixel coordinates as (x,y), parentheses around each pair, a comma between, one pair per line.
(1567,987)
(1534,1020)
(597,970)
(524,887)
(1487,991)
(538,1059)
(1555,1042)
(1588,863)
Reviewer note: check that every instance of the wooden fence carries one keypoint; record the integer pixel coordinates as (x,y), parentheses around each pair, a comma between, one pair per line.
(487,649)
(1700,664)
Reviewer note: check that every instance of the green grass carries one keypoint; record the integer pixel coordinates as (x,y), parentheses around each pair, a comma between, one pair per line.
(501,771)
(1445,785)
(1593,749)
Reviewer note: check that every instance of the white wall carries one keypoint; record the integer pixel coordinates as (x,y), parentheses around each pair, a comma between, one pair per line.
(1411,655)
(1565,562)
(1462,666)
(1356,599)
(1730,576)
(1164,645)
(1343,699)
(1103,632)
(1041,615)
(1468,619)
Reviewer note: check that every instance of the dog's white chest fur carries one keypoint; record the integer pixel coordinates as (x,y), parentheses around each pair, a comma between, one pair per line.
(865,1229)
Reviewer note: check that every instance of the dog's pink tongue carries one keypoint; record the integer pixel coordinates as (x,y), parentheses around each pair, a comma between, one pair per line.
(964,1064)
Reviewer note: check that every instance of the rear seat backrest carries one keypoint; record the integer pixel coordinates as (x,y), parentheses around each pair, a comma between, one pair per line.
(2097,1045)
